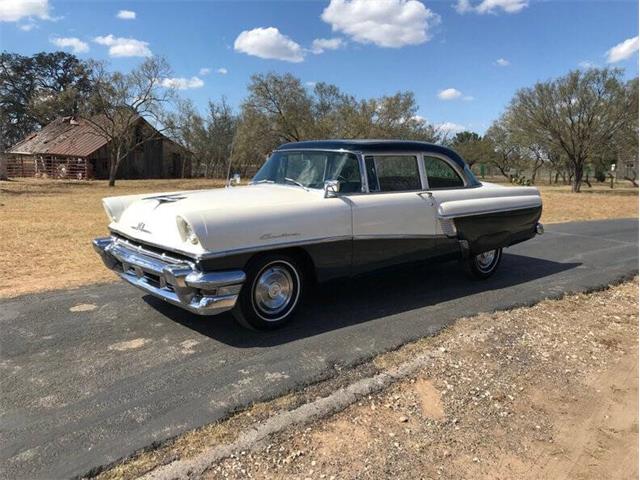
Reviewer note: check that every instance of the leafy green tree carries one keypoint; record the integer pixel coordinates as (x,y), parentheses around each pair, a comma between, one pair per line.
(472,147)
(37,89)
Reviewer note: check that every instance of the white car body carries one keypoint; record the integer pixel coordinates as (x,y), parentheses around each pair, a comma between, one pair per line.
(181,246)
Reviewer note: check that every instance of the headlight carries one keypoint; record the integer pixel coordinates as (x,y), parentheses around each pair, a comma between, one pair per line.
(186,231)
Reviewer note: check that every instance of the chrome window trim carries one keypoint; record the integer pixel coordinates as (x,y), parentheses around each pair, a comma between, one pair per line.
(451,163)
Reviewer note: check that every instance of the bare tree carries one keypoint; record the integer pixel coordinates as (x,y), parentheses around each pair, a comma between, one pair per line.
(576,114)
(124,100)
(280,109)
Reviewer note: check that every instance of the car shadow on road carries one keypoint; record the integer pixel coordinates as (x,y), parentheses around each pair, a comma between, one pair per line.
(344,303)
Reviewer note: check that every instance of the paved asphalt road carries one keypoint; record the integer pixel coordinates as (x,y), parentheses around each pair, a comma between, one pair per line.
(83,388)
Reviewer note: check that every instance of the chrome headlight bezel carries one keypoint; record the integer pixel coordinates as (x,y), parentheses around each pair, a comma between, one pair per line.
(187,232)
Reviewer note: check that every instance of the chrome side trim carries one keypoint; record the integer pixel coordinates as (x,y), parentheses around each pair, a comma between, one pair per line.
(273,246)
(177,283)
(486,212)
(393,236)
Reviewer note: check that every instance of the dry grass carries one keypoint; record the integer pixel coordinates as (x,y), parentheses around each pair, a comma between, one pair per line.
(47,226)
(560,205)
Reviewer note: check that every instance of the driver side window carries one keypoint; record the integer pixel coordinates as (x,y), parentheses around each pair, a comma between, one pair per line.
(346,169)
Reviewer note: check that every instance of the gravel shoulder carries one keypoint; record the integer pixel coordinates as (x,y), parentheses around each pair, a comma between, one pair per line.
(549,391)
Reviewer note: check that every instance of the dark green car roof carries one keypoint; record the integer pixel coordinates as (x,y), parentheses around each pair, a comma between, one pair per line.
(375,146)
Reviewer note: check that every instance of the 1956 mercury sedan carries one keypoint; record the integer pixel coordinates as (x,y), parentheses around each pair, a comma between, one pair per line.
(315,211)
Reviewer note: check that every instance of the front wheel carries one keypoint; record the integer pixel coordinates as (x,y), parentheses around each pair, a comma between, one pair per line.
(271,294)
(484,264)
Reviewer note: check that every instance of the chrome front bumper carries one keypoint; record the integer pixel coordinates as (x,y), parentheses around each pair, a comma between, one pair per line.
(176,281)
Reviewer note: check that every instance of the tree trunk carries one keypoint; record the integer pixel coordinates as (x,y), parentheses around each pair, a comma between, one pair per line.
(113,167)
(576,183)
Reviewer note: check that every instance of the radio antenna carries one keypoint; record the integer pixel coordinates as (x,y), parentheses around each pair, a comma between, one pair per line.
(233,142)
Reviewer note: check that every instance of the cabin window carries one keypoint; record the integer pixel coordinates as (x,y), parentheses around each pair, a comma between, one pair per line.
(440,174)
(345,168)
(393,173)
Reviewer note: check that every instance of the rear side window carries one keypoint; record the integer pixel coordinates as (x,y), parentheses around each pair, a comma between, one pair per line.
(440,174)
(397,173)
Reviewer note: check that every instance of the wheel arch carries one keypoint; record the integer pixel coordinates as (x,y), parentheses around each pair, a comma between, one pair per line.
(298,253)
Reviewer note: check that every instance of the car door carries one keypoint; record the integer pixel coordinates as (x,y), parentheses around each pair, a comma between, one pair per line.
(395,221)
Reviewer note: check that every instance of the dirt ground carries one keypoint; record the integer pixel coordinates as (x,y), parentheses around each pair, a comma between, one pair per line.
(545,392)
(47,226)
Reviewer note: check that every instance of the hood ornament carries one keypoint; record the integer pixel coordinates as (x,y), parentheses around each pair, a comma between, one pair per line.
(165,199)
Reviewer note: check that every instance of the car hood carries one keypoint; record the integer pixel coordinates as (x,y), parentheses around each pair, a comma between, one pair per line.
(224,218)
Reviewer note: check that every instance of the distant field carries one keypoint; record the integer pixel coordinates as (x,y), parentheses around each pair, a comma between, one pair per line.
(47,226)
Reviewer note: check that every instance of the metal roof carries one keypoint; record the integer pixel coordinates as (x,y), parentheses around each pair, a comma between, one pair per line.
(375,146)
(65,136)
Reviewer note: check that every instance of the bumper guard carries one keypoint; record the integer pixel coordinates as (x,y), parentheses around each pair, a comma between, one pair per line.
(175,281)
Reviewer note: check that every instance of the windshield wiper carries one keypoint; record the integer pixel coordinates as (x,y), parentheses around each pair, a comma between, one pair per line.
(262,181)
(295,182)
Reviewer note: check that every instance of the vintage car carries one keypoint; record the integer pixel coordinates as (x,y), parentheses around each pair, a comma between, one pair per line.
(315,211)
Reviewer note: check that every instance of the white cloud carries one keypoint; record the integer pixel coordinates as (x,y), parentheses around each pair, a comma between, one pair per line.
(623,50)
(503,62)
(181,83)
(74,44)
(449,128)
(586,65)
(319,45)
(310,84)
(126,15)
(14,10)
(491,6)
(204,71)
(268,43)
(27,27)
(222,71)
(385,23)
(449,94)
(124,47)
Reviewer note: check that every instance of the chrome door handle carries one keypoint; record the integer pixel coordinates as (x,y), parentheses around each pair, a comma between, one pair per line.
(428,197)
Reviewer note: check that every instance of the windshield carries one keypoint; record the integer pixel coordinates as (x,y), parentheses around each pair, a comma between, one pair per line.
(312,169)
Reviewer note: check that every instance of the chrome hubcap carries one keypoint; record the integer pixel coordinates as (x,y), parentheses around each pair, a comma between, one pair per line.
(485,260)
(274,290)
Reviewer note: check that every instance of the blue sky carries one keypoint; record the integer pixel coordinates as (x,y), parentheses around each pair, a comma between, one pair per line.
(464,59)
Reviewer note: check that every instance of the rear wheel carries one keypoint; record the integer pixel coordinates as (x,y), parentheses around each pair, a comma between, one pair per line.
(271,294)
(484,264)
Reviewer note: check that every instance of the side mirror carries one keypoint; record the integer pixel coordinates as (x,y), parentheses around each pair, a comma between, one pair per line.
(331,188)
